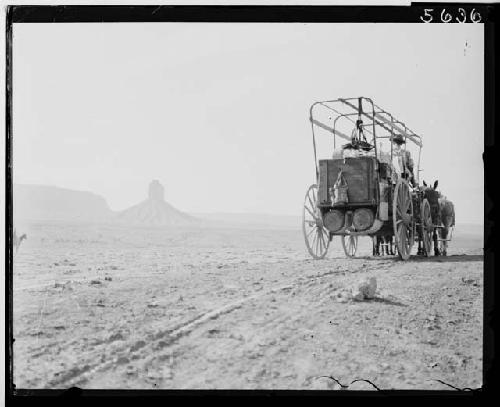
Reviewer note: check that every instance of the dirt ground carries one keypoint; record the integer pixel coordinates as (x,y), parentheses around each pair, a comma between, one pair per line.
(114,307)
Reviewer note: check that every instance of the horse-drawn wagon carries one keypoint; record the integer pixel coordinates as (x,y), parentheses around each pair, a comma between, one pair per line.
(364,190)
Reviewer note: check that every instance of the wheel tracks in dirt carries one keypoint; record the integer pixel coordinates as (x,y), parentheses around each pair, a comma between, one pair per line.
(50,283)
(165,338)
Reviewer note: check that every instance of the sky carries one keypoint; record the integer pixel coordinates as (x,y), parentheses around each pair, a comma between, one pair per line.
(219,113)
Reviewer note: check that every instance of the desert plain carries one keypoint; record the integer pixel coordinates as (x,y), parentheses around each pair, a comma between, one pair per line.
(116,307)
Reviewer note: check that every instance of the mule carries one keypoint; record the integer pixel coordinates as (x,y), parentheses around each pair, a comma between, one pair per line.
(447,211)
(443,214)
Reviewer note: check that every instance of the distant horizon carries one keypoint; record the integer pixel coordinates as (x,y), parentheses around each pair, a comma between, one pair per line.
(194,213)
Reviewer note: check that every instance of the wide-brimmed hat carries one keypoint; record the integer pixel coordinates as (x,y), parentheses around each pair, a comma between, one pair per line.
(398,139)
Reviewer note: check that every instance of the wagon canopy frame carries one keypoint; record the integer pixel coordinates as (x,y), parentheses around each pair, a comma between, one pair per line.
(374,118)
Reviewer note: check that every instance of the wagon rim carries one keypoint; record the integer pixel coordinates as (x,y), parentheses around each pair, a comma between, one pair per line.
(316,236)
(403,219)
(426,227)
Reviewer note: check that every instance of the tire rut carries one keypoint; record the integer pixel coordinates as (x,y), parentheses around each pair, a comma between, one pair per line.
(79,375)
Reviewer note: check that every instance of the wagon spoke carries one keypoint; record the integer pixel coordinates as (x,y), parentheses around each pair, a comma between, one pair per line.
(403,237)
(351,245)
(323,238)
(318,243)
(310,232)
(309,211)
(399,213)
(311,202)
(403,199)
(323,241)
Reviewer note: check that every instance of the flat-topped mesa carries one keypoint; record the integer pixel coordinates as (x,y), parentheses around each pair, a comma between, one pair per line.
(156,191)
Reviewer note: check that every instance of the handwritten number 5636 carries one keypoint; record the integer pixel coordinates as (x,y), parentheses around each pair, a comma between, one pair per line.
(446,17)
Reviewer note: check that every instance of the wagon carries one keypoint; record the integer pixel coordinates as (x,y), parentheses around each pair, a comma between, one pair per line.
(359,190)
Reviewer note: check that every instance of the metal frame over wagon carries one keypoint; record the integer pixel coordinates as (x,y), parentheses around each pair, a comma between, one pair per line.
(380,201)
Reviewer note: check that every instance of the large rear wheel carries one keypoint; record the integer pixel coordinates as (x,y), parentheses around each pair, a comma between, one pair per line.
(403,220)
(316,235)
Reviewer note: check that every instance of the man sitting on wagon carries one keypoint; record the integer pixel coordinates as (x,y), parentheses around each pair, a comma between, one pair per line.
(358,145)
(403,158)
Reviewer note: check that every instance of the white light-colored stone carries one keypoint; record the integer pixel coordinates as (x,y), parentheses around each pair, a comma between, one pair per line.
(365,289)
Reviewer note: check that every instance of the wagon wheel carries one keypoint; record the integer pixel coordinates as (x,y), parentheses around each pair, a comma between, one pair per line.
(316,236)
(350,245)
(426,227)
(402,217)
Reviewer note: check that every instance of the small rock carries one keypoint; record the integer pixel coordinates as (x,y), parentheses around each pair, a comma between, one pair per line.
(131,370)
(367,288)
(122,360)
(167,373)
(116,337)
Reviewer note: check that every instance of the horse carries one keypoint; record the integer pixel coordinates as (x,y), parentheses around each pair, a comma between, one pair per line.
(17,240)
(443,214)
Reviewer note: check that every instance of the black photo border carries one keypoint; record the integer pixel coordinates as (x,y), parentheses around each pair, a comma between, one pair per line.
(305,14)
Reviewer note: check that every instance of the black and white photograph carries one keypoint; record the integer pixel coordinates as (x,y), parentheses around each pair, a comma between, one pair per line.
(248,205)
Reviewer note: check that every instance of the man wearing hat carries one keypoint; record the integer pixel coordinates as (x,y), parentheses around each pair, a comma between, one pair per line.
(403,157)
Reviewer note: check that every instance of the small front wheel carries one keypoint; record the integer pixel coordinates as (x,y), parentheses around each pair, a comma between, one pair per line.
(350,245)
